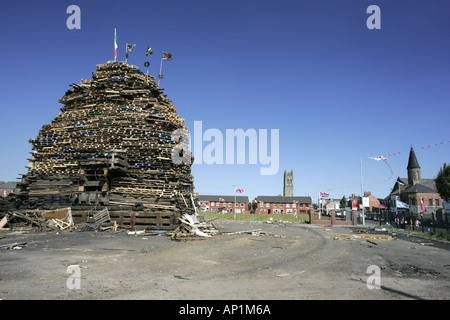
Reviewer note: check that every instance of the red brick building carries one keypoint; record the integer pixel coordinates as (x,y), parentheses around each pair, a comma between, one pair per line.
(414,190)
(7,187)
(223,204)
(283,205)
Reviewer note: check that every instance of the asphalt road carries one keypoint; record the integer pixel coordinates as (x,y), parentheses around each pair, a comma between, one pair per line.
(275,262)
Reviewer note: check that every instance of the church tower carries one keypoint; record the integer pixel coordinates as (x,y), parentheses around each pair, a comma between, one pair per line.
(413,168)
(288,188)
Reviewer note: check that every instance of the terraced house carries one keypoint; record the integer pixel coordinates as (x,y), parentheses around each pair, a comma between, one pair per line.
(223,204)
(283,205)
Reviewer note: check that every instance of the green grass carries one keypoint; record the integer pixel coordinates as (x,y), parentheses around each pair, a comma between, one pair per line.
(255,217)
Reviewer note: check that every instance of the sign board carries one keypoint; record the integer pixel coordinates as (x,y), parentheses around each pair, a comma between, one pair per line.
(365,202)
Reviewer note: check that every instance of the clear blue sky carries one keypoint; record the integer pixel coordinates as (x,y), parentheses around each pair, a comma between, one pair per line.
(337,91)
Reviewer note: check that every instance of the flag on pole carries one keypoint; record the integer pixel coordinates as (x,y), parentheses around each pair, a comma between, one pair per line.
(167,56)
(402,205)
(115,44)
(424,209)
(239,190)
(130,47)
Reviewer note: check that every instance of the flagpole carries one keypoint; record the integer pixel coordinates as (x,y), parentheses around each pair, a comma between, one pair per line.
(234,200)
(320,206)
(362,192)
(396,204)
(160,71)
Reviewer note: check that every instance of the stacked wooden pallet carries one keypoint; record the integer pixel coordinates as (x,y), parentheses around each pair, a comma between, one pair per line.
(110,146)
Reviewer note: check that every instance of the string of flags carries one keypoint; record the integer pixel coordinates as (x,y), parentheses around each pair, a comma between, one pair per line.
(384,158)
(424,147)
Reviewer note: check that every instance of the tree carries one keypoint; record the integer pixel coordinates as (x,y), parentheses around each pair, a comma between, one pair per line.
(443,182)
(343,202)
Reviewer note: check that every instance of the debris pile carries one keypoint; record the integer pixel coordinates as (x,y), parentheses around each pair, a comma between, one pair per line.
(110,147)
(191,228)
(363,237)
(60,219)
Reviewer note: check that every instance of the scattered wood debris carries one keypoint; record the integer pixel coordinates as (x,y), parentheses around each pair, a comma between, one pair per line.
(60,219)
(15,245)
(363,237)
(192,228)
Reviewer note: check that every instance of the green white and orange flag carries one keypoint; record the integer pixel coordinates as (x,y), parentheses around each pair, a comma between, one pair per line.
(115,44)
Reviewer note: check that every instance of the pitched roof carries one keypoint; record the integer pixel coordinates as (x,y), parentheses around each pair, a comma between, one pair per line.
(425,186)
(215,198)
(419,188)
(8,185)
(412,162)
(281,199)
(429,183)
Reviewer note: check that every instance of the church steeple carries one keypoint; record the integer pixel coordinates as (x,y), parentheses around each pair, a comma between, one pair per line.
(288,187)
(413,168)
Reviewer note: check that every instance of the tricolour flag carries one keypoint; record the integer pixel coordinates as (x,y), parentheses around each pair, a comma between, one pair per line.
(115,44)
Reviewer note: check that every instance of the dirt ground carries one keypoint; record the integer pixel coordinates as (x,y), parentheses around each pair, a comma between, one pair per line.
(278,262)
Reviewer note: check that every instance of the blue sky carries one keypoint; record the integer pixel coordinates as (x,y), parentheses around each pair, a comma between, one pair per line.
(337,91)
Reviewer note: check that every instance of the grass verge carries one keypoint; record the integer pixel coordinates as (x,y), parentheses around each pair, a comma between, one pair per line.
(256,217)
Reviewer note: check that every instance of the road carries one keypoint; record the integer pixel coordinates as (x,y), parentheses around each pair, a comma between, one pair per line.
(276,262)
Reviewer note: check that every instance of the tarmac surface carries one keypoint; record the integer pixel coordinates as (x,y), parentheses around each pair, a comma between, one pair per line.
(276,261)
